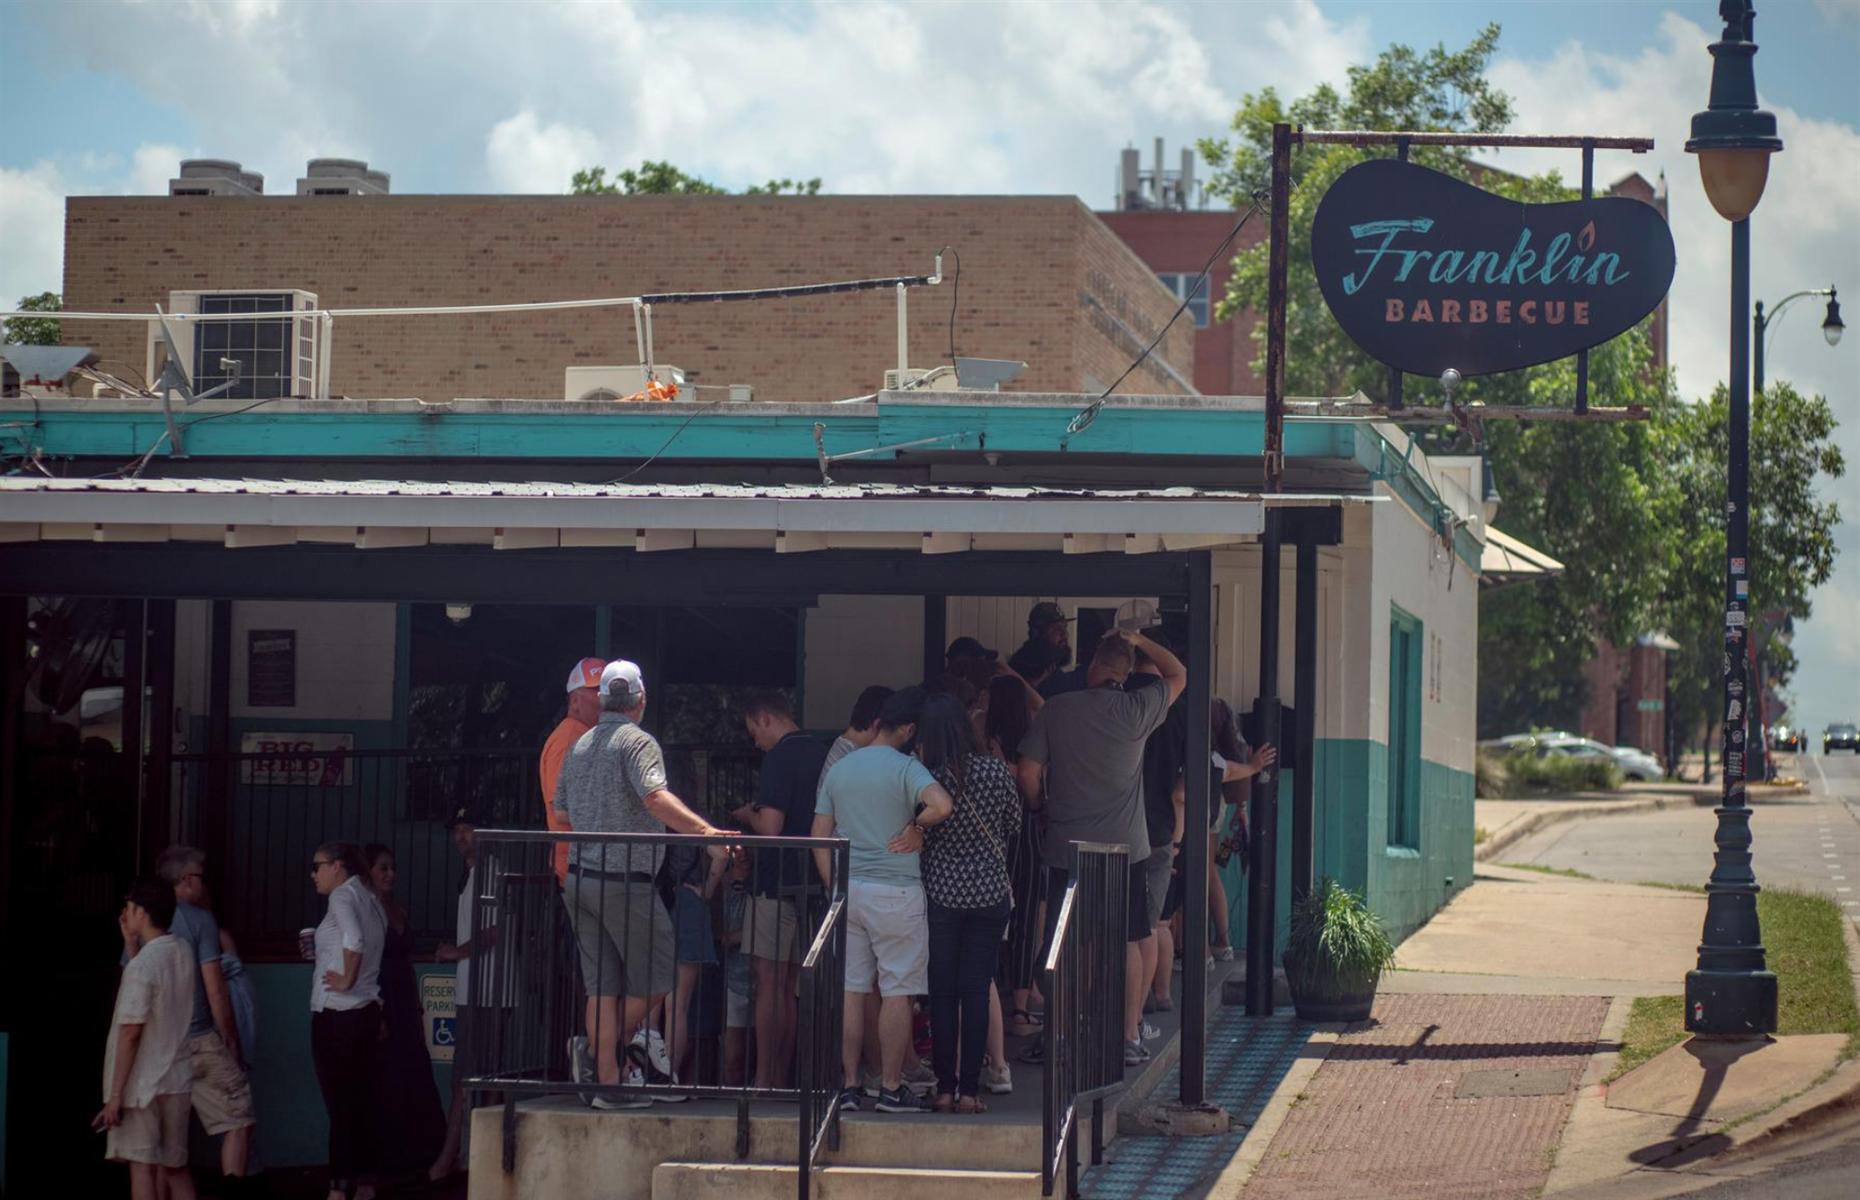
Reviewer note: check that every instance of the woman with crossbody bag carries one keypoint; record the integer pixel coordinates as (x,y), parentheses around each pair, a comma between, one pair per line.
(965,873)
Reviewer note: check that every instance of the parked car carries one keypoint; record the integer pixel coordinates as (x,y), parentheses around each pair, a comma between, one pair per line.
(1840,737)
(1636,765)
(1786,737)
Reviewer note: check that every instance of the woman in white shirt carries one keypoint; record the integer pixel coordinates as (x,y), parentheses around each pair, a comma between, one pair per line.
(345,1014)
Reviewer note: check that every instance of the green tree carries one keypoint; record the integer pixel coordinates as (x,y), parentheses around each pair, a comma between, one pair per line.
(1592,495)
(1791,532)
(664,179)
(37,331)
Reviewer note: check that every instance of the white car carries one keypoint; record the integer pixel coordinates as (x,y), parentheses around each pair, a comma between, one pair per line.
(1635,764)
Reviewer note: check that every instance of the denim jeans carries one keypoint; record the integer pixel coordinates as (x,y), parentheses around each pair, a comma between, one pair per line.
(964,946)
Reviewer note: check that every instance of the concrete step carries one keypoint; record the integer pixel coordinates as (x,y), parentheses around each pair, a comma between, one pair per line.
(769,1181)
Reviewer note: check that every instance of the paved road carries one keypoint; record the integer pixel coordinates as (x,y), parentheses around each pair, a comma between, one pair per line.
(1810,842)
(1829,1175)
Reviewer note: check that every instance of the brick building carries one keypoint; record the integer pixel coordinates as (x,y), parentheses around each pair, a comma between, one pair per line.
(1043,280)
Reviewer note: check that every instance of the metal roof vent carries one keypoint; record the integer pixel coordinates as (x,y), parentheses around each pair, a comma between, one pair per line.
(341,177)
(215,177)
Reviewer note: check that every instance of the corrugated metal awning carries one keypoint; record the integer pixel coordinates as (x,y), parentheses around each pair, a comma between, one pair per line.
(1506,560)
(788,517)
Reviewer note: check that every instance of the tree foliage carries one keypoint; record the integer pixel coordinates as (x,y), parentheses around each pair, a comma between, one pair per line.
(37,331)
(1593,496)
(664,179)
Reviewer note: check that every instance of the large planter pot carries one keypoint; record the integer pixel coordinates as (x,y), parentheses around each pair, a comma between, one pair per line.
(1348,1001)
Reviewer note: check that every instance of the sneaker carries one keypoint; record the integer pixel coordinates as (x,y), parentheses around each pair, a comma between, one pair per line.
(918,1077)
(648,1050)
(997,1079)
(1034,1053)
(1135,1055)
(870,1084)
(633,1078)
(1159,1004)
(669,1097)
(904,1100)
(849,1099)
(580,1060)
(1223,954)
(1150,1032)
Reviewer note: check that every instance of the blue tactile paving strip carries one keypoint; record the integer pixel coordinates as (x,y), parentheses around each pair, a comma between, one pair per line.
(1247,1057)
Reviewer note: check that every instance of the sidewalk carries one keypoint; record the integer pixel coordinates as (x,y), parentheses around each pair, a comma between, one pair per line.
(1480,1072)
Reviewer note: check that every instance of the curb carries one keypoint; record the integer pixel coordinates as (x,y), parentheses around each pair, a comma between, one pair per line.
(1523,827)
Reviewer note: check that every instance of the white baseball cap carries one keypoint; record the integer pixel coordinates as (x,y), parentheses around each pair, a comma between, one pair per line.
(622,676)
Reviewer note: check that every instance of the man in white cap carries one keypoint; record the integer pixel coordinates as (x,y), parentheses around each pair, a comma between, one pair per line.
(613,781)
(584,709)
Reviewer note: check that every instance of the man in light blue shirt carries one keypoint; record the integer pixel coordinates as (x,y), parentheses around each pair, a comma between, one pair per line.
(881,800)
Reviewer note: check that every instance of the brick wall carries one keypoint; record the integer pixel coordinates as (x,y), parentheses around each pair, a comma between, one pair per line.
(1181,242)
(1027,266)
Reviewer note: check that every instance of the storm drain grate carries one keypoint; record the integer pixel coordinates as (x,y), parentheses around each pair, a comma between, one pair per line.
(1477,1085)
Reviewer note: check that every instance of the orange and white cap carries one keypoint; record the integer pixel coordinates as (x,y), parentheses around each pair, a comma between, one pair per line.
(587,673)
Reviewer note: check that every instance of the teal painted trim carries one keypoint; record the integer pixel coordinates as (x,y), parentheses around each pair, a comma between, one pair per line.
(1375,454)
(293,1128)
(1404,886)
(765,435)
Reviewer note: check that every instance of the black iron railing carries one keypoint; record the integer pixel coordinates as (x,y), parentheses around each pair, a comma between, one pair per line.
(1083,981)
(260,815)
(545,945)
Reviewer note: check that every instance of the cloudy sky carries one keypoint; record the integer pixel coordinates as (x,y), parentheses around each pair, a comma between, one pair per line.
(106,96)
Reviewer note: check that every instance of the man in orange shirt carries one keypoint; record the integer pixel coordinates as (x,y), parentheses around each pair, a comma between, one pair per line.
(584,711)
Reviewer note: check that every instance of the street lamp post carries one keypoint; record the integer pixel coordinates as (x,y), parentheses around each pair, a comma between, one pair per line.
(1831,328)
(1732,993)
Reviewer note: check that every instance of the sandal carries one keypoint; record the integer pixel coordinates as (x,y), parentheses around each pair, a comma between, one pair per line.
(970,1106)
(943,1103)
(1024,1023)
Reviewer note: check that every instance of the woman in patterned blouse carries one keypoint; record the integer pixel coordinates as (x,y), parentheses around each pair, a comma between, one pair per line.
(965,871)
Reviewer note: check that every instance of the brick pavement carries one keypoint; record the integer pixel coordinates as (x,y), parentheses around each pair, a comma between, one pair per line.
(1380,1118)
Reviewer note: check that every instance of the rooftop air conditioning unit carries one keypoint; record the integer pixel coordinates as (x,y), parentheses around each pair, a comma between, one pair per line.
(341,177)
(922,379)
(617,383)
(215,177)
(277,355)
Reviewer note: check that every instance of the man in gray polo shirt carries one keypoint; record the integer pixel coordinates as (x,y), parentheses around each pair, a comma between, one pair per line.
(1082,760)
(613,781)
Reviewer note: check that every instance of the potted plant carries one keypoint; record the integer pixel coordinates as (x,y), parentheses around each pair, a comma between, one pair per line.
(1336,951)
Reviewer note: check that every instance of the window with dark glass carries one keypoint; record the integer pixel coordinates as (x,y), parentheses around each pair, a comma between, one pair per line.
(264,349)
(1181,284)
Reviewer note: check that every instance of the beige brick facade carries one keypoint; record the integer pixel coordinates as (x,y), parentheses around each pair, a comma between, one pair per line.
(1043,280)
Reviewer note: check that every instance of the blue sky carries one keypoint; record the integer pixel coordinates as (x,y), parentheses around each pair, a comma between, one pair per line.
(105,96)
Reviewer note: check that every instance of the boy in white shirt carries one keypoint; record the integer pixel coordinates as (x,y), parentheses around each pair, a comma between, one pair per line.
(147,1070)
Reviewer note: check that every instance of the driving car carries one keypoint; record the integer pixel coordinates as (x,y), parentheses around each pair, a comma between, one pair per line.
(1786,737)
(1840,737)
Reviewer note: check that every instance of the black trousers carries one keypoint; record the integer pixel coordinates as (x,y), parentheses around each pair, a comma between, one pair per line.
(344,1048)
(964,943)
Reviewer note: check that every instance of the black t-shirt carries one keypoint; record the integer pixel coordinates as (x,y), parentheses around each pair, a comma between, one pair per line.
(789,783)
(1163,755)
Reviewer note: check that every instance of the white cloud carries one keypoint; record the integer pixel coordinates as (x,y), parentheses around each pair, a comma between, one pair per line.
(525,155)
(1805,234)
(153,165)
(32,231)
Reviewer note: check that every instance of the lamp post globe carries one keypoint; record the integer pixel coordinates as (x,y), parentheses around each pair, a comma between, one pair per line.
(1732,993)
(1833,327)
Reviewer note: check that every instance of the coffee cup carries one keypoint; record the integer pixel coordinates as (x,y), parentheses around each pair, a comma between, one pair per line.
(306,944)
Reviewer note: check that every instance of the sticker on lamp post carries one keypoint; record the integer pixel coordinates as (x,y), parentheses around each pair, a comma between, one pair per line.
(1426,272)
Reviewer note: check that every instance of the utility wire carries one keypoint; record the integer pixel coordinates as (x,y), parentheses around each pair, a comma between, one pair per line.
(695,413)
(955,296)
(1082,420)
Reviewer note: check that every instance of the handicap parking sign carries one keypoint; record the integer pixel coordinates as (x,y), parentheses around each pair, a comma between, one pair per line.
(438,1003)
(445,1031)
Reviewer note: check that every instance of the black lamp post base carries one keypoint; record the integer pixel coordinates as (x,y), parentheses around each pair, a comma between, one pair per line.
(1731,1003)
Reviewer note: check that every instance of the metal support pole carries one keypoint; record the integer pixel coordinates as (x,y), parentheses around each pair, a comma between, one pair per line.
(217,786)
(936,630)
(1304,687)
(1582,356)
(1396,402)
(1732,993)
(135,626)
(1262,921)
(1194,858)
(1758,325)
(904,353)
(158,810)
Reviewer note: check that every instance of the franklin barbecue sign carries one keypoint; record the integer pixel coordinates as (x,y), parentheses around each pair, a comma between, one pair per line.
(1426,272)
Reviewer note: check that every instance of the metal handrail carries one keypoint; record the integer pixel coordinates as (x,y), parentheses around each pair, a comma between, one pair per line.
(518,903)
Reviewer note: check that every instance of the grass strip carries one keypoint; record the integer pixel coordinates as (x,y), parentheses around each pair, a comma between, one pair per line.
(1567,872)
(1804,947)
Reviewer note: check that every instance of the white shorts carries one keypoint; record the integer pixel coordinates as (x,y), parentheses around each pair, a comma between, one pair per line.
(887,939)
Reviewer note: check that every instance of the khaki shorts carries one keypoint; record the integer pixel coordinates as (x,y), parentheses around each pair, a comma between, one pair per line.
(771,930)
(222,1096)
(887,939)
(625,934)
(156,1134)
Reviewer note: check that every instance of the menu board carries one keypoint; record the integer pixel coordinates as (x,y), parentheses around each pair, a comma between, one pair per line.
(271,668)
